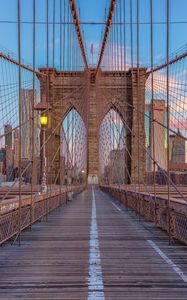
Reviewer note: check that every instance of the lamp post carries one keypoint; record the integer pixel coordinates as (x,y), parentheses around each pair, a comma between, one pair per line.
(42,107)
(83,175)
(43,122)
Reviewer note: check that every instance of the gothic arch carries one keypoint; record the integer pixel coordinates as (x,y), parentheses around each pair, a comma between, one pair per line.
(116,105)
(71,106)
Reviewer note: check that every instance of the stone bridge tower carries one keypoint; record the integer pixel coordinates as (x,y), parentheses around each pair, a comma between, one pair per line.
(111,89)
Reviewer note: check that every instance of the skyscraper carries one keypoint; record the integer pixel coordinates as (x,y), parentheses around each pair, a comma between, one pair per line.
(177,148)
(159,111)
(8,135)
(26,129)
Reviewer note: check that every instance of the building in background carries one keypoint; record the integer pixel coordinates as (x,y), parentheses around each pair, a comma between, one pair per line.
(2,164)
(159,138)
(9,157)
(16,147)
(8,135)
(117,166)
(177,148)
(177,152)
(9,154)
(27,136)
(26,131)
(12,145)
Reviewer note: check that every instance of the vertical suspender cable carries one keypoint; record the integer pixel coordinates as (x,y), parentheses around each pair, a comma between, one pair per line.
(137,95)
(68,116)
(121,69)
(152,125)
(60,173)
(54,32)
(63,69)
(64,35)
(20,119)
(47,46)
(168,115)
(132,66)
(71,52)
(124,59)
(114,42)
(117,38)
(68,33)
(125,92)
(33,102)
(47,88)
(60,35)
(53,63)
(68,144)
(131,34)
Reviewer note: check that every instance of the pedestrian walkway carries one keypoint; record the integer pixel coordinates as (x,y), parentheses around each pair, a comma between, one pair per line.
(92,248)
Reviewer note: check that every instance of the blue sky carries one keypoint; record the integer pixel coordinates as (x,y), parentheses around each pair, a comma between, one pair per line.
(94,11)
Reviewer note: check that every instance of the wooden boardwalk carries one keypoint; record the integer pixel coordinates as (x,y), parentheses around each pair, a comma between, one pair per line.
(92,248)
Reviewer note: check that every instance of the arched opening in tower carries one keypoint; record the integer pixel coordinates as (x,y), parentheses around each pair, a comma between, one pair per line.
(113,151)
(73,150)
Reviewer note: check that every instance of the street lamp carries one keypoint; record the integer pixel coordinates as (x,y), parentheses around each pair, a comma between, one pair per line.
(43,122)
(83,171)
(82,176)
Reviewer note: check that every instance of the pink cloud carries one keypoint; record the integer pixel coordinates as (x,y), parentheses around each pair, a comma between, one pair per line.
(182,125)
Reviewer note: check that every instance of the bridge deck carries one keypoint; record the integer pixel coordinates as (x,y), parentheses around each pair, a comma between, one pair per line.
(93,249)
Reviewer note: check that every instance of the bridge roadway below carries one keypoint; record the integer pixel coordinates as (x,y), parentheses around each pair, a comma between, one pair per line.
(92,248)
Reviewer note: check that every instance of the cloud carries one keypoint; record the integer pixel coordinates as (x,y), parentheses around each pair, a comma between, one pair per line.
(116,57)
(177,123)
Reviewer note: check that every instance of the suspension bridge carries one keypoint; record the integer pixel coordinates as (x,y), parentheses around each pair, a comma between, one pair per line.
(93,156)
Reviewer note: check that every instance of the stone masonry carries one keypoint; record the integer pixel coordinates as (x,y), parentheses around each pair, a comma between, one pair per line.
(117,90)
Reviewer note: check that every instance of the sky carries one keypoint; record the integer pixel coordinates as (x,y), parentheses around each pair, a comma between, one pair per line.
(94,11)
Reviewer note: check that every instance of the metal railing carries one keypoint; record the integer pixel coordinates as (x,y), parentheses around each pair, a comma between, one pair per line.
(29,214)
(173,220)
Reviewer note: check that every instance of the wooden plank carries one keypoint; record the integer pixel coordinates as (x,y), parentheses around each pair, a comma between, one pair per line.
(53,260)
